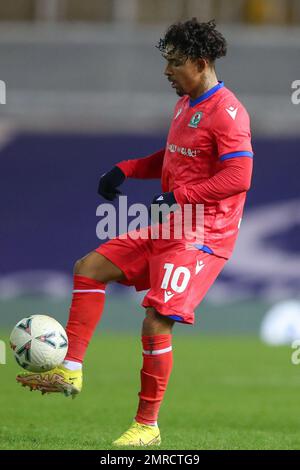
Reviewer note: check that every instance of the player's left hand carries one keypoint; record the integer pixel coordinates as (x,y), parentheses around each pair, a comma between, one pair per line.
(164,198)
(160,199)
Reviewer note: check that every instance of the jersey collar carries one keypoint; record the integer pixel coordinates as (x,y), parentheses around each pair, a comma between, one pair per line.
(206,95)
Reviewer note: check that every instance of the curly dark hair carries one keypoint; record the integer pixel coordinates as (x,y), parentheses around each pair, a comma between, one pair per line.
(194,40)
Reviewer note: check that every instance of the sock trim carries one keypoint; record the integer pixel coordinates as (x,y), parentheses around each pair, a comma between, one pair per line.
(158,351)
(153,423)
(72,365)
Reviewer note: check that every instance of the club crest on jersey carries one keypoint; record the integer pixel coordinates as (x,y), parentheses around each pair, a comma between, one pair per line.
(195,120)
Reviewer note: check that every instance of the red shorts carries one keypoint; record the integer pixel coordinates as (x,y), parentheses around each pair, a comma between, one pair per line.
(177,274)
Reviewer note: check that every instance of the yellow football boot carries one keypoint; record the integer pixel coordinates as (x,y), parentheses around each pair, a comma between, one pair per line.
(60,379)
(139,435)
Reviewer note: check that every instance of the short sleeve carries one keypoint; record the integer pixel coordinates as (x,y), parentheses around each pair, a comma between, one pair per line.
(232,132)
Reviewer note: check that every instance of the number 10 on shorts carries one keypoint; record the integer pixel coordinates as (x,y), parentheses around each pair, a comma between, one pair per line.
(177,279)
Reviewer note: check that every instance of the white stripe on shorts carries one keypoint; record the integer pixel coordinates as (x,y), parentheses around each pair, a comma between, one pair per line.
(76,291)
(158,351)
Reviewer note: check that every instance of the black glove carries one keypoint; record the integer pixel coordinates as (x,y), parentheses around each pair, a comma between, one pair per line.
(163,198)
(108,183)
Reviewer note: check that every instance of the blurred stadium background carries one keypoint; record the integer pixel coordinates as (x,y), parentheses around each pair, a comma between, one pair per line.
(85,89)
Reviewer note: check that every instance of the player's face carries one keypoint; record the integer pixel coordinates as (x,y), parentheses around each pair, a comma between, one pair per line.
(183,74)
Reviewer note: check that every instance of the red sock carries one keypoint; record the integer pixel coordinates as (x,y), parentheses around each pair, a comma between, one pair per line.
(85,312)
(157,366)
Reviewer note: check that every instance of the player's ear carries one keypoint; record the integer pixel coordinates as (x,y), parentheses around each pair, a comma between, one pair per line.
(201,64)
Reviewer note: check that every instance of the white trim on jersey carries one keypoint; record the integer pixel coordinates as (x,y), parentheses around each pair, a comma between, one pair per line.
(76,291)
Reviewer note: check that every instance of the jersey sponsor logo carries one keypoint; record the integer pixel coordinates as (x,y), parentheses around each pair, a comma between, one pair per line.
(178,113)
(199,266)
(160,198)
(232,112)
(195,120)
(186,152)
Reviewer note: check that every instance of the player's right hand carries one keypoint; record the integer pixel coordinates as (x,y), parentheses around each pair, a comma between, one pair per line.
(109,182)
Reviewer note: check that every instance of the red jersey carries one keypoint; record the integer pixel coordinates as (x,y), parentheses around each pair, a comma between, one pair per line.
(208,160)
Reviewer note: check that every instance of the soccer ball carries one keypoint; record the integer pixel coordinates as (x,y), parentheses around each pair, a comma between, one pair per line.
(39,343)
(281,324)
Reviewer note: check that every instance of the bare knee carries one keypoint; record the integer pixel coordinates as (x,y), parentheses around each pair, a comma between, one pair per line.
(95,266)
(78,266)
(156,324)
(88,267)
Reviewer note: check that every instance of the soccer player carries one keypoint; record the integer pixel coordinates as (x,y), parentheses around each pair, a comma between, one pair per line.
(207,160)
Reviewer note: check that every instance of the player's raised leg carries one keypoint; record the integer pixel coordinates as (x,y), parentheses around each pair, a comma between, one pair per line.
(91,275)
(155,373)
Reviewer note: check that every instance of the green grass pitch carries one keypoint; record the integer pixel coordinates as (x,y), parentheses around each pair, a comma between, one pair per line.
(224,393)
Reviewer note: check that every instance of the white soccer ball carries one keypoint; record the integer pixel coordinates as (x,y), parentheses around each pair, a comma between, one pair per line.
(39,343)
